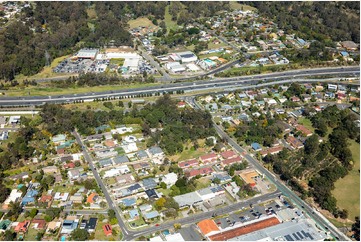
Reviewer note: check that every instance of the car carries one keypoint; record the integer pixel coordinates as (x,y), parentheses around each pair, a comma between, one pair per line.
(219,223)
(156,225)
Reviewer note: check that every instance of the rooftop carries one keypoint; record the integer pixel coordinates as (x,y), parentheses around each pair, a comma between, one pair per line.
(207,226)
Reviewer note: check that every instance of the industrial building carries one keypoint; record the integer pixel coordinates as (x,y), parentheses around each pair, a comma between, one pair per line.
(87,54)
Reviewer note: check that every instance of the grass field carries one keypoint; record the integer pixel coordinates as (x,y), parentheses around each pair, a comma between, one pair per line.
(144,22)
(168,20)
(91,12)
(203,183)
(347,190)
(100,236)
(117,61)
(234,5)
(307,123)
(51,91)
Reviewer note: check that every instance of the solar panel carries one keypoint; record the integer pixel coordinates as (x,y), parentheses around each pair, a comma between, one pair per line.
(288,238)
(304,233)
(300,235)
(294,235)
(310,236)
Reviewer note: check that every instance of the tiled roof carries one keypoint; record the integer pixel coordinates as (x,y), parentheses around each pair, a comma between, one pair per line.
(207,226)
(244,229)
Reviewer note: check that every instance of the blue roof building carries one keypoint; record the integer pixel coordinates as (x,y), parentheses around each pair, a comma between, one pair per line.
(29,197)
(120,159)
(149,183)
(256,146)
(134,187)
(128,202)
(134,214)
(69,226)
(344,53)
(142,154)
(150,215)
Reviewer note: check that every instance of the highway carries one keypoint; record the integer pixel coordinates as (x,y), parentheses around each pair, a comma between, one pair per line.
(317,217)
(186,86)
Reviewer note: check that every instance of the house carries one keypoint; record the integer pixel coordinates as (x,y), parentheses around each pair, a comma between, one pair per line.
(151,193)
(105,163)
(332,87)
(295,99)
(61,196)
(145,208)
(188,199)
(38,223)
(95,137)
(256,146)
(210,192)
(150,215)
(248,176)
(4,135)
(76,198)
(129,202)
(91,224)
(270,101)
(141,154)
(74,174)
(120,159)
(230,161)
(57,139)
(228,154)
(201,171)
(134,214)
(209,158)
(149,183)
(155,151)
(188,163)
(140,166)
(14,196)
(69,226)
(109,143)
(181,104)
(14,119)
(45,200)
(50,170)
(29,196)
(92,198)
(70,165)
(223,177)
(349,45)
(52,226)
(22,175)
(4,225)
(306,97)
(306,132)
(271,151)
(107,229)
(22,227)
(295,143)
(117,171)
(208,227)
(170,179)
(125,179)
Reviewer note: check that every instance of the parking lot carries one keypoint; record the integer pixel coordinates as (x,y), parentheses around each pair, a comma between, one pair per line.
(73,66)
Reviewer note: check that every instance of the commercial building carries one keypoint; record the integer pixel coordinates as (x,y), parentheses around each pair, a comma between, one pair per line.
(87,54)
(184,57)
(248,176)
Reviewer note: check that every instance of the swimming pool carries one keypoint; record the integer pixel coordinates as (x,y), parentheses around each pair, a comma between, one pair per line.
(63,238)
(166,232)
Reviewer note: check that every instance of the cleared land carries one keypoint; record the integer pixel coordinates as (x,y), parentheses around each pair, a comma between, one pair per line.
(347,190)
(235,5)
(168,20)
(307,123)
(144,22)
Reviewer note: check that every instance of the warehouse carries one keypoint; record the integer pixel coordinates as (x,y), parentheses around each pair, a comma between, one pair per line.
(184,57)
(175,67)
(87,54)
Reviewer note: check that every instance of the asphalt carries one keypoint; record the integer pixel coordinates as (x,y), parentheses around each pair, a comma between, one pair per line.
(317,217)
(219,83)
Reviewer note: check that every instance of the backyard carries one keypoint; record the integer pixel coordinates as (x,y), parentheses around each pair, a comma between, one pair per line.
(347,196)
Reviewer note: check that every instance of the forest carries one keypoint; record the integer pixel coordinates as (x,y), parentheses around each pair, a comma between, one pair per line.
(318,20)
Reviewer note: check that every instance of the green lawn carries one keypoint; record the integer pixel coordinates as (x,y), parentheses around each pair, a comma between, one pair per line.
(168,20)
(144,22)
(203,183)
(100,236)
(117,61)
(189,154)
(306,122)
(347,190)
(31,234)
(235,5)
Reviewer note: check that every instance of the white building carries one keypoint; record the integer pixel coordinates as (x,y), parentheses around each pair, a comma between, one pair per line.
(13,197)
(175,67)
(129,148)
(187,56)
(14,119)
(117,171)
(170,179)
(61,196)
(174,237)
(122,130)
(87,54)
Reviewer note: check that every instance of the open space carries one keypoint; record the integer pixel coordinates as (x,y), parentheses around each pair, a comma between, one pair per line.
(140,22)
(235,5)
(347,196)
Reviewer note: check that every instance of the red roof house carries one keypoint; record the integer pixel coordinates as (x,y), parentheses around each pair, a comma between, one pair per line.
(209,158)
(107,229)
(201,171)
(188,163)
(228,154)
(230,161)
(22,226)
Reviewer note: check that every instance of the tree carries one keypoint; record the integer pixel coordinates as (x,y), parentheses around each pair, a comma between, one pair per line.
(209,142)
(90,184)
(9,235)
(159,204)
(33,212)
(356,228)
(79,235)
(311,145)
(108,105)
(163,185)
(121,104)
(216,180)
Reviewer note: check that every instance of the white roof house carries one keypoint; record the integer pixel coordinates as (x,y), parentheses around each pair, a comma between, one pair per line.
(170,179)
(174,237)
(13,197)
(61,196)
(117,171)
(129,148)
(14,119)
